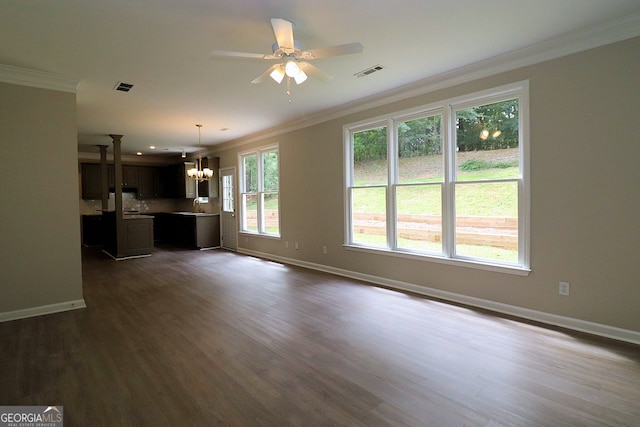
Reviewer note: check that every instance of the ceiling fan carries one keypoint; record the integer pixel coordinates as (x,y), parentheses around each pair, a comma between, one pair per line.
(291,56)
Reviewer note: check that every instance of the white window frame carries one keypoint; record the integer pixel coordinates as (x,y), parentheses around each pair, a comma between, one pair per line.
(260,193)
(447,108)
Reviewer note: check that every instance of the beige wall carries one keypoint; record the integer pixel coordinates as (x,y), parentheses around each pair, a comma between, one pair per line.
(585,201)
(40,260)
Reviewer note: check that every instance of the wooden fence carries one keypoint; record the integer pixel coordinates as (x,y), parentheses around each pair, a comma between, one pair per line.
(499,232)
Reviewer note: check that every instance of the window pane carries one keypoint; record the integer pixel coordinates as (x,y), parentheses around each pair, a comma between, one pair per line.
(270,170)
(419,222)
(487,141)
(370,157)
(250,174)
(369,218)
(227,193)
(420,150)
(487,220)
(270,220)
(250,211)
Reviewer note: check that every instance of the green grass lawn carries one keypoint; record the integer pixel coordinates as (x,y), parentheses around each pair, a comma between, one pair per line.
(482,199)
(486,199)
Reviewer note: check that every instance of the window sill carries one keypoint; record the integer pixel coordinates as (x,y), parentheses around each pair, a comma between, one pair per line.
(498,268)
(256,234)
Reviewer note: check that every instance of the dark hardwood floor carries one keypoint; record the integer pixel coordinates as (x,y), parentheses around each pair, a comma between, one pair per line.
(209,338)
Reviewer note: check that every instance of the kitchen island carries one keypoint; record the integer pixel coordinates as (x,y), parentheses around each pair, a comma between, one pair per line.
(188,229)
(135,239)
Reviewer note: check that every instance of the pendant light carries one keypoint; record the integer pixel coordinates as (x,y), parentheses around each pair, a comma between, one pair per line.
(197,173)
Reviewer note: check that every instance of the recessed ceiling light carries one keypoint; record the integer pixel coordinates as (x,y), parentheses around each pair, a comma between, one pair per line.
(153,147)
(139,153)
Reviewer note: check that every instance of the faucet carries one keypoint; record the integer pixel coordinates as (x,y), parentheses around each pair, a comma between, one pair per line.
(196,201)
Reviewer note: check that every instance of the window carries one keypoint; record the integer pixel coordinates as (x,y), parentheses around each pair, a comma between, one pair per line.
(259,207)
(228,203)
(369,190)
(448,181)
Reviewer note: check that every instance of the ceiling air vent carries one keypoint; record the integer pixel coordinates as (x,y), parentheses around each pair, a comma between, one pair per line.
(123,87)
(368,71)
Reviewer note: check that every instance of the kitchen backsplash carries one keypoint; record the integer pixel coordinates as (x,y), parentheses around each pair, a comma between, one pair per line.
(130,203)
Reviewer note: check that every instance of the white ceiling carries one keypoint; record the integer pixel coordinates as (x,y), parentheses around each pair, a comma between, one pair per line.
(163,48)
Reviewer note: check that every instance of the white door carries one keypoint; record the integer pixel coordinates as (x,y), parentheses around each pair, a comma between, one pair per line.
(228,221)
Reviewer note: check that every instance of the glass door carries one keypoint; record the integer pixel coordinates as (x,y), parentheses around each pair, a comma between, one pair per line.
(228,222)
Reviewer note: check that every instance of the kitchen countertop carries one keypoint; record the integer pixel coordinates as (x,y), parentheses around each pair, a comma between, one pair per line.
(137,216)
(130,215)
(194,213)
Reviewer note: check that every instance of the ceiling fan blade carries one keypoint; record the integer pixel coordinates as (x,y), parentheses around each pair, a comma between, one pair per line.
(232,54)
(283,30)
(315,72)
(267,74)
(343,49)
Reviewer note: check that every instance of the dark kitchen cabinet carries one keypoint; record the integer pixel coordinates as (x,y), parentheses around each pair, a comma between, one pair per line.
(150,184)
(210,188)
(177,184)
(111,177)
(129,176)
(91,181)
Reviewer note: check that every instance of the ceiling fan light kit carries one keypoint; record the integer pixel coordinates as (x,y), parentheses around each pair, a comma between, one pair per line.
(277,74)
(300,77)
(292,56)
(291,68)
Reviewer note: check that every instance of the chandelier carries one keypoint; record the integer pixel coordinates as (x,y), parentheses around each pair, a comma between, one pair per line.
(197,173)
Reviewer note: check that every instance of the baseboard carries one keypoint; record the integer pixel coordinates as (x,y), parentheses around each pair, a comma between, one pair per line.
(42,310)
(524,313)
(124,258)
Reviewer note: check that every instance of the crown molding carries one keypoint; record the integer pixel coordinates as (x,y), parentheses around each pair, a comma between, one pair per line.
(86,157)
(38,79)
(570,43)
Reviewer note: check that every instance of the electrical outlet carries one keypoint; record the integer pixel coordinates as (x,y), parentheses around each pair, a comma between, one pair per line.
(286,244)
(564,288)
(296,246)
(324,250)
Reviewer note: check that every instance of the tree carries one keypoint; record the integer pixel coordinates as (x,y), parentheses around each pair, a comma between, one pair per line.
(270,170)
(420,137)
(488,127)
(370,145)
(251,174)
